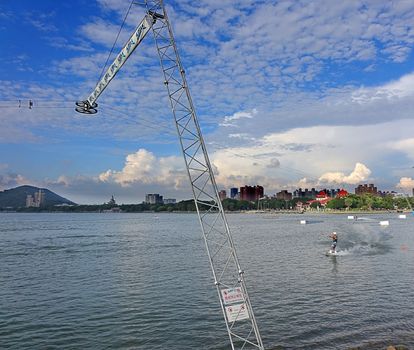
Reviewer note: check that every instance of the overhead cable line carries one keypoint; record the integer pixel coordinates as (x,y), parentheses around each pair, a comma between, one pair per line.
(116,39)
(149,124)
(31,103)
(35,104)
(155,125)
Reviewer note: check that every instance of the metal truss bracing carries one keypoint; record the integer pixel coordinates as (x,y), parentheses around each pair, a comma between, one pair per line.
(227,273)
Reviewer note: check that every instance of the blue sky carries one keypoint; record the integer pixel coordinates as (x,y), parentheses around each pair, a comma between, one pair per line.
(288,93)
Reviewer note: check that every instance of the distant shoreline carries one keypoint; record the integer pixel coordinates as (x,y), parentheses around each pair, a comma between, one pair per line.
(266,212)
(322,212)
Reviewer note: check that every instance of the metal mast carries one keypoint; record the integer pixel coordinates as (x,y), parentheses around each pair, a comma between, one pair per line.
(228,275)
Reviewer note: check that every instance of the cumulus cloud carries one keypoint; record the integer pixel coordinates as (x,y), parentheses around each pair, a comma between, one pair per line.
(310,152)
(139,166)
(304,183)
(406,183)
(144,167)
(360,173)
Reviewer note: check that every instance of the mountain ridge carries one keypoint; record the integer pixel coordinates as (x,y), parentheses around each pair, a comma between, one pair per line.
(16,197)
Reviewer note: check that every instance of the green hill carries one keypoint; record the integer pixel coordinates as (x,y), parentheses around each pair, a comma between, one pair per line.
(16,197)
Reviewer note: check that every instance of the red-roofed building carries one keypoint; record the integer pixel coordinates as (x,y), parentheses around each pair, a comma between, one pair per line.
(342,194)
(321,196)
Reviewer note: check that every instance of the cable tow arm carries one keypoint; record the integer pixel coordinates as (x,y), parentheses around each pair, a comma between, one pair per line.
(89,106)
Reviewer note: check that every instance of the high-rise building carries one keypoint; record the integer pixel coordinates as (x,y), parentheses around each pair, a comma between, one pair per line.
(362,189)
(234,192)
(153,198)
(284,195)
(251,193)
(332,192)
(29,201)
(298,193)
(37,200)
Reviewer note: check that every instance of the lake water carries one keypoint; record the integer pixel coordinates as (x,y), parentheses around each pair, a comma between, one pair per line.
(143,281)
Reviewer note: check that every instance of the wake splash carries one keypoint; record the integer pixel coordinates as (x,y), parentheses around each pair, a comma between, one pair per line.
(364,239)
(361,249)
(340,253)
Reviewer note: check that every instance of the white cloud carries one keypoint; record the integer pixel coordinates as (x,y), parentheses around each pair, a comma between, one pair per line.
(405,146)
(307,155)
(358,107)
(11,180)
(102,32)
(243,57)
(139,166)
(257,78)
(359,174)
(304,183)
(237,116)
(143,167)
(406,183)
(402,88)
(115,5)
(241,136)
(63,180)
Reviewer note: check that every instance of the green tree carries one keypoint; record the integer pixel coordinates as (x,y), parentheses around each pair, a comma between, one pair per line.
(368,201)
(315,205)
(336,203)
(348,201)
(387,203)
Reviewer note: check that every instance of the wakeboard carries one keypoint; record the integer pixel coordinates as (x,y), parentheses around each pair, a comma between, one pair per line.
(331,252)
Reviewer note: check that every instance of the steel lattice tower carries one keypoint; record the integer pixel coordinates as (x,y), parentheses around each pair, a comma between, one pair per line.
(228,275)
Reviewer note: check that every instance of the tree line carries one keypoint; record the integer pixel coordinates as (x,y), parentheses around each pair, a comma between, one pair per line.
(351,202)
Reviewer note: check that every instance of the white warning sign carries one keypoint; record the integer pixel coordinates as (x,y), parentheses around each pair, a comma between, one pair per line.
(236,312)
(232,295)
